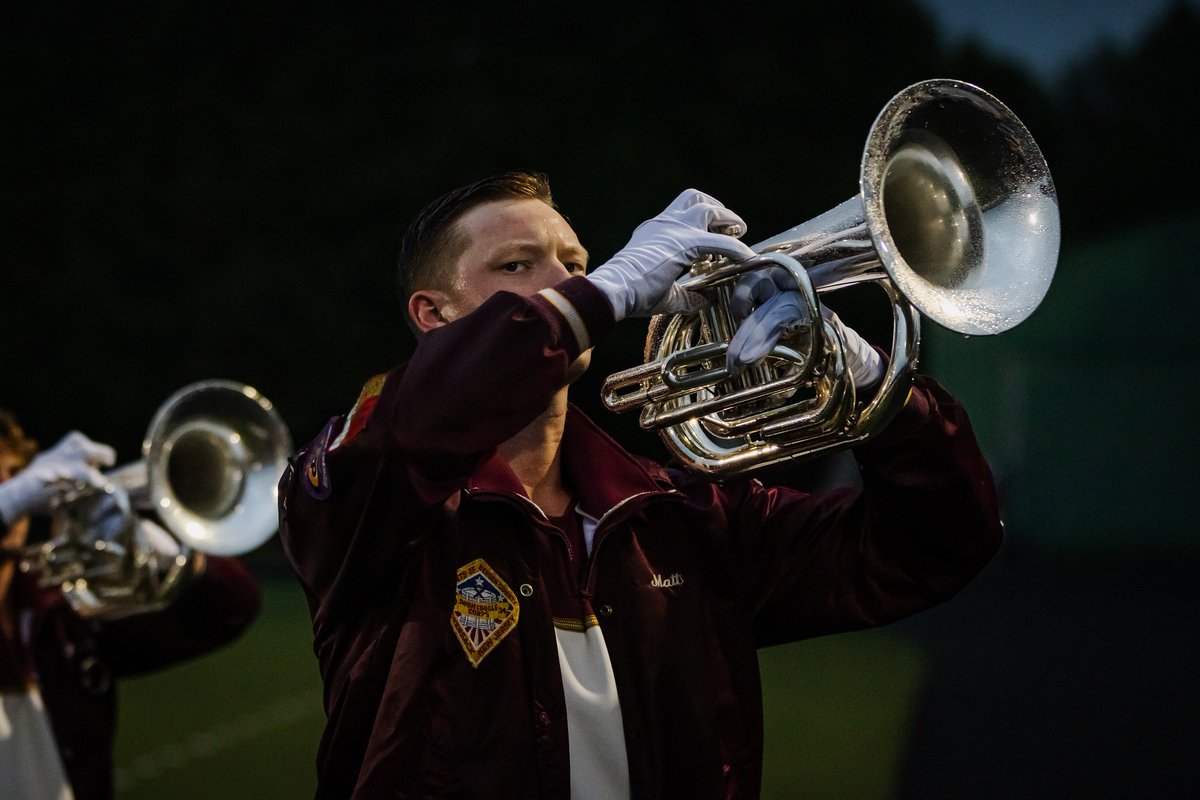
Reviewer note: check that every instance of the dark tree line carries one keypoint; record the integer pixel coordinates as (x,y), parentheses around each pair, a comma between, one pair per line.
(201,190)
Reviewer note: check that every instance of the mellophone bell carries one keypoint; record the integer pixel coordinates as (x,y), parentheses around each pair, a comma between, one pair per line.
(956,218)
(211,458)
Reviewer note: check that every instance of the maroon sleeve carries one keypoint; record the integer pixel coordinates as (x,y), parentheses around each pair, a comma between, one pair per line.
(925,522)
(476,382)
(212,610)
(469,386)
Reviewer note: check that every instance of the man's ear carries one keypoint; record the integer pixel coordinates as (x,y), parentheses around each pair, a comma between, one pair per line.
(425,309)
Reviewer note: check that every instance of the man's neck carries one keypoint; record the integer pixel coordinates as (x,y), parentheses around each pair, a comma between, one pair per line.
(535,457)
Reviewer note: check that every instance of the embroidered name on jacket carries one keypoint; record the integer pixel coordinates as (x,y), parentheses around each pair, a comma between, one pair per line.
(485,610)
(659,582)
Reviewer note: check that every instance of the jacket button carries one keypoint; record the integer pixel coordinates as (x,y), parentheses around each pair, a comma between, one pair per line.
(543,719)
(605,611)
(526,590)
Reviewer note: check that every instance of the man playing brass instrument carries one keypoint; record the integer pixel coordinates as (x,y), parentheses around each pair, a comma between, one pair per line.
(508,604)
(58,669)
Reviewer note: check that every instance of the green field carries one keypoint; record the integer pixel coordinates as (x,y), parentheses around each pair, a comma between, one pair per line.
(240,723)
(244,722)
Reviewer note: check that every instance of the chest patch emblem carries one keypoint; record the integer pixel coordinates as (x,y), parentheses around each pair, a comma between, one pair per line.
(485,610)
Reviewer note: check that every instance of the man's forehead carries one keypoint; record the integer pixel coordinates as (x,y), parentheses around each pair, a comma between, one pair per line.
(500,221)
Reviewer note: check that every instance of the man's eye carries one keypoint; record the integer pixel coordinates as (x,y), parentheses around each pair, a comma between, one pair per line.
(513,266)
(576,268)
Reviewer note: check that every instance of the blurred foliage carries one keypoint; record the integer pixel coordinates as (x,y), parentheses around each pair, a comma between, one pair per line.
(1077,409)
(197,190)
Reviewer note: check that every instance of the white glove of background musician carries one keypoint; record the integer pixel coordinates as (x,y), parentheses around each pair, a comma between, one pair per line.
(74,459)
(779,308)
(640,279)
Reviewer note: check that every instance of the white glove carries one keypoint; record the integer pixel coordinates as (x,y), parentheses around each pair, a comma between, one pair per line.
(862,360)
(756,337)
(74,459)
(110,514)
(780,308)
(639,281)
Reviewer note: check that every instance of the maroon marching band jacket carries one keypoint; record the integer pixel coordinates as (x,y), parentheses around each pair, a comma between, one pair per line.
(377,527)
(76,662)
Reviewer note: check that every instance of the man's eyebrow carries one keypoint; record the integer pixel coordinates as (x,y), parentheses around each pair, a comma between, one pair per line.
(577,249)
(523,247)
(514,248)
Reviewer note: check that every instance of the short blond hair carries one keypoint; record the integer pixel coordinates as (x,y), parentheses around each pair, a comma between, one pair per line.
(431,242)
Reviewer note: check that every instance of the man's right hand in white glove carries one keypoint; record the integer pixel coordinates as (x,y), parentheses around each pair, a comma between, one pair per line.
(777,307)
(74,459)
(640,280)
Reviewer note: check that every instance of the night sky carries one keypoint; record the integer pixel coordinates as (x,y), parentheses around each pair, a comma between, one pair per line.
(1047,35)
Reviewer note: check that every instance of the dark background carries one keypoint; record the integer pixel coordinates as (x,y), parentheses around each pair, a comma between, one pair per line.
(202,190)
(217,190)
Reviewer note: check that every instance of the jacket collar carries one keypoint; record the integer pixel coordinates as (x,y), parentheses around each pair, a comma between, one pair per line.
(603,473)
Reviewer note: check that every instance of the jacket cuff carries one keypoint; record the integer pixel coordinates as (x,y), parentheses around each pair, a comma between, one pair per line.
(582,308)
(926,400)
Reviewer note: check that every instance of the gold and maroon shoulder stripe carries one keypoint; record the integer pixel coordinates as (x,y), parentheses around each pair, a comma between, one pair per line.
(356,420)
